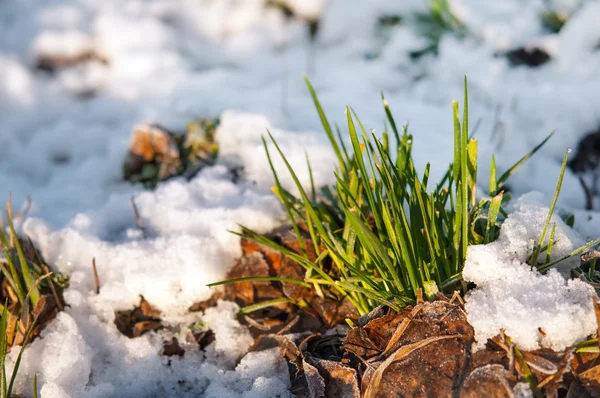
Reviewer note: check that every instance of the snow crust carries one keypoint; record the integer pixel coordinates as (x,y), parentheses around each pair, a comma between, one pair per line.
(64,136)
(535,310)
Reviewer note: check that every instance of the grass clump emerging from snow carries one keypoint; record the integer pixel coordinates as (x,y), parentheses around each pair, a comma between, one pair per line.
(384,234)
(30,296)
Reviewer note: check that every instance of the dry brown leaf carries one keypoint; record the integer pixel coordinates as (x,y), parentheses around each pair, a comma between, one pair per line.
(372,388)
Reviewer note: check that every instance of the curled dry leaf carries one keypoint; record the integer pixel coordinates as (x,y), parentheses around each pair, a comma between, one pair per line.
(140,320)
(488,381)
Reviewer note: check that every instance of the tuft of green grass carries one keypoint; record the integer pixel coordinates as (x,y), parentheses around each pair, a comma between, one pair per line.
(27,281)
(19,275)
(553,21)
(569,219)
(433,24)
(384,232)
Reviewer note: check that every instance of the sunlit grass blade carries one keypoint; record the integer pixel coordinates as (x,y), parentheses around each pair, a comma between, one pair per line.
(390,117)
(326,125)
(260,279)
(313,191)
(18,361)
(3,350)
(493,182)
(284,198)
(550,243)
(492,217)
(372,244)
(527,374)
(312,218)
(521,161)
(464,178)
(35,386)
(590,345)
(576,252)
(265,304)
(551,210)
(27,278)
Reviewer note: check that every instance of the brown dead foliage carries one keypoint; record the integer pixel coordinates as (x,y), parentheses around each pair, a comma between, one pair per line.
(157,154)
(172,348)
(140,320)
(52,62)
(315,367)
(425,351)
(586,373)
(317,313)
(145,318)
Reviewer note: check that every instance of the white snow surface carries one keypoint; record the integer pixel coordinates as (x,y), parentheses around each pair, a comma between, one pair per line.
(510,296)
(64,137)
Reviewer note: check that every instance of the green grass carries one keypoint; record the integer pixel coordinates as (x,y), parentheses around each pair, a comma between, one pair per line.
(553,21)
(541,246)
(24,278)
(385,232)
(434,23)
(19,275)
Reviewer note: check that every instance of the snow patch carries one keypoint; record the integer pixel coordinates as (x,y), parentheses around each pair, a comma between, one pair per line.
(535,310)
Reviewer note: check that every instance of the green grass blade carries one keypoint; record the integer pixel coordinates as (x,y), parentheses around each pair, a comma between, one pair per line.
(550,244)
(492,217)
(493,183)
(260,279)
(312,180)
(264,304)
(551,210)
(590,345)
(472,170)
(390,117)
(18,361)
(372,244)
(527,374)
(360,165)
(314,223)
(574,253)
(13,278)
(34,293)
(284,198)
(521,161)
(3,350)
(326,125)
(464,180)
(35,387)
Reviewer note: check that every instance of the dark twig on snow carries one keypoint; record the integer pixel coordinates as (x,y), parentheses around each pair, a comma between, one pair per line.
(96,278)
(138,219)
(589,203)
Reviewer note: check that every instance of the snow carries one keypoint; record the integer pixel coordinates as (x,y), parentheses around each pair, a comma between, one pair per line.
(64,137)
(535,310)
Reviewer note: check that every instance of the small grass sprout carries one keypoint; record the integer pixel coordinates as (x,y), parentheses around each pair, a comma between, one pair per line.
(384,233)
(569,219)
(434,23)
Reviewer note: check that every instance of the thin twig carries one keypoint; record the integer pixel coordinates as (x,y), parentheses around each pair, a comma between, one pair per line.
(138,219)
(96,278)
(289,325)
(589,202)
(26,208)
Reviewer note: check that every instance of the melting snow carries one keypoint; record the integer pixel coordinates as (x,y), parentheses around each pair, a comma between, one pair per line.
(535,310)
